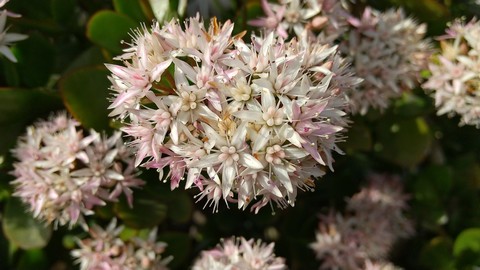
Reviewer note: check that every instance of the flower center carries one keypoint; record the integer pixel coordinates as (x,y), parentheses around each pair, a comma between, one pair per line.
(228,155)
(189,101)
(273,117)
(274,154)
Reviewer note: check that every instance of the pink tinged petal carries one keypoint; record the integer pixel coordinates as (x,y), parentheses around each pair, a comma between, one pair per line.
(325,129)
(213,135)
(6,51)
(114,175)
(313,151)
(159,69)
(206,112)
(174,132)
(206,161)
(250,116)
(250,161)
(261,139)
(270,186)
(214,99)
(238,138)
(294,153)
(122,98)
(282,175)
(185,69)
(228,175)
(267,8)
(74,212)
(14,37)
(192,177)
(268,100)
(287,132)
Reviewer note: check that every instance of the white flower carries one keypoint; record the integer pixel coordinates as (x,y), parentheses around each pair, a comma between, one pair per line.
(238,253)
(235,120)
(6,39)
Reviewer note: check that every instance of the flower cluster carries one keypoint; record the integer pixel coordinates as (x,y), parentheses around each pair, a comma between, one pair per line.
(388,51)
(455,79)
(106,250)
(239,121)
(365,236)
(62,174)
(238,253)
(6,39)
(325,19)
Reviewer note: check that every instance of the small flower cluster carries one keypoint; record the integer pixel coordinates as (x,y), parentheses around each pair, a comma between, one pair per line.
(105,250)
(62,174)
(455,79)
(324,19)
(240,121)
(365,236)
(6,39)
(238,253)
(388,51)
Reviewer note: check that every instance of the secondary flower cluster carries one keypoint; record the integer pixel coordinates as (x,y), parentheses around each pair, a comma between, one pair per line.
(324,19)
(241,121)
(388,51)
(105,250)
(238,253)
(455,80)
(363,238)
(6,39)
(62,174)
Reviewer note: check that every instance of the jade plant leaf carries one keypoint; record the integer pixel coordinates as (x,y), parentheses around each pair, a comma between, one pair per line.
(22,229)
(404,142)
(84,93)
(467,247)
(107,29)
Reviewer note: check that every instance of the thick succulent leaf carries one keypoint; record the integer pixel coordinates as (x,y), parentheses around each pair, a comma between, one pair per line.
(404,142)
(22,229)
(84,92)
(107,29)
(437,254)
(132,9)
(467,247)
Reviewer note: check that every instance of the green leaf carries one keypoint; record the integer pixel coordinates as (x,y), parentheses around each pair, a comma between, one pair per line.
(404,142)
(36,60)
(19,107)
(147,210)
(85,93)
(22,229)
(62,10)
(179,246)
(132,9)
(90,57)
(107,29)
(33,259)
(437,254)
(467,247)
(161,10)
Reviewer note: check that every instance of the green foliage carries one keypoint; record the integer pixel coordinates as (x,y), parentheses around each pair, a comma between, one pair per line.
(60,66)
(77,89)
(107,29)
(22,229)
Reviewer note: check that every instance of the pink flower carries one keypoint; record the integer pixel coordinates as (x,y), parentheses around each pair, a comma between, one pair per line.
(238,253)
(363,238)
(105,250)
(61,175)
(225,109)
